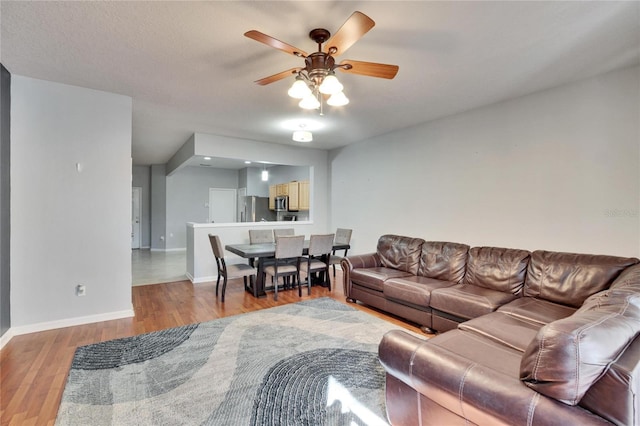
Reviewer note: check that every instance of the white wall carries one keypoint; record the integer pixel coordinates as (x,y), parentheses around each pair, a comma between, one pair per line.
(69,227)
(188,199)
(556,170)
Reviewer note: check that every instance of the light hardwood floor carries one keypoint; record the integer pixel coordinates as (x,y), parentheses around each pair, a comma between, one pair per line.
(34,367)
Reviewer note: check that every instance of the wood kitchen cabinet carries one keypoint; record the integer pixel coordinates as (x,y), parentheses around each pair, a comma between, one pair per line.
(273,191)
(303,195)
(282,189)
(293,196)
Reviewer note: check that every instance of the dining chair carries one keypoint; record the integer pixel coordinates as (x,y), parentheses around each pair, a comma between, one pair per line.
(318,259)
(287,261)
(230,272)
(343,236)
(283,232)
(260,236)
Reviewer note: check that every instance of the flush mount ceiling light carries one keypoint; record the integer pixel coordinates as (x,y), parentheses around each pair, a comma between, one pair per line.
(318,78)
(302,136)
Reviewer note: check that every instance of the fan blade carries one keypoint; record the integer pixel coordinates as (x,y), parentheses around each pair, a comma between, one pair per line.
(370,69)
(351,31)
(270,41)
(276,77)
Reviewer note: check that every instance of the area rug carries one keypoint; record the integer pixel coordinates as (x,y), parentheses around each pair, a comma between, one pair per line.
(309,363)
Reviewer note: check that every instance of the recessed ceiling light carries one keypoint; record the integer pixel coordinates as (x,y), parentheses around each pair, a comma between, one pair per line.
(247,162)
(207,158)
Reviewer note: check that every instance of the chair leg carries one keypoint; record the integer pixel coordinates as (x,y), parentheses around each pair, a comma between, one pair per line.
(326,274)
(334,270)
(245,283)
(217,284)
(275,294)
(224,287)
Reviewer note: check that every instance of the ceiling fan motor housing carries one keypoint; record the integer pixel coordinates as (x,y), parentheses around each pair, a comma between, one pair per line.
(318,65)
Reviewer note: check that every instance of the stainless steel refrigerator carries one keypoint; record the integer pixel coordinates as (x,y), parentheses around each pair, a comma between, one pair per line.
(256,209)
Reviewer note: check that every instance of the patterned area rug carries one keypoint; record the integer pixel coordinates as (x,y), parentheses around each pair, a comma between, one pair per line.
(308,363)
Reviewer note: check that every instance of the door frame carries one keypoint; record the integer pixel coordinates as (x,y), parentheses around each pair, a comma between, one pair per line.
(136,228)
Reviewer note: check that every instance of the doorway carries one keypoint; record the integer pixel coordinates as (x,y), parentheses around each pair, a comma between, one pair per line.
(136,203)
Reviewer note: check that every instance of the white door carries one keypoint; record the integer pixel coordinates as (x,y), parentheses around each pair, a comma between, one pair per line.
(222,205)
(242,192)
(136,201)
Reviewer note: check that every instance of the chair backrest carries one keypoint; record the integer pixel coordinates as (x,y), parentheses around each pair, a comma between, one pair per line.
(260,236)
(216,246)
(320,244)
(289,246)
(283,232)
(343,236)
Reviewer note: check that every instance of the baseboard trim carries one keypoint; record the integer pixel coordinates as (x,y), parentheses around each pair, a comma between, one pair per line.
(171,249)
(70,322)
(6,337)
(201,279)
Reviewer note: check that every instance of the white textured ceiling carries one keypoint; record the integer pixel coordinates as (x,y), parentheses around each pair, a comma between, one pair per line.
(189,68)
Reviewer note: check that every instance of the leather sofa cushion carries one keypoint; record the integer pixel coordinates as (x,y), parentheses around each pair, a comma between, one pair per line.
(510,331)
(500,269)
(474,378)
(414,290)
(443,261)
(401,253)
(567,356)
(536,310)
(570,278)
(616,396)
(373,278)
(468,301)
(628,279)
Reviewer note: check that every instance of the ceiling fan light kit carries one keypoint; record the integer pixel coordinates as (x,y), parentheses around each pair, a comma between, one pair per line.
(309,102)
(317,77)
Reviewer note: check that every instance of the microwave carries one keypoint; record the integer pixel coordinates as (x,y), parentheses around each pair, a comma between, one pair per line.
(282,204)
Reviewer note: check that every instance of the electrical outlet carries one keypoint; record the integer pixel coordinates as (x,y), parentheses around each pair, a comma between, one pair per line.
(81,290)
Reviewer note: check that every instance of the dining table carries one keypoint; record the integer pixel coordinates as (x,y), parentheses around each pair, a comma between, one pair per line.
(262,253)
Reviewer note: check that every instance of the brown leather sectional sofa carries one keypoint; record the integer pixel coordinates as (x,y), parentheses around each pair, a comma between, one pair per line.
(534,338)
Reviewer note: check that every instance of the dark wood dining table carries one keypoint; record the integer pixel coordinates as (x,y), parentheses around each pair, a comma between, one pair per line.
(263,252)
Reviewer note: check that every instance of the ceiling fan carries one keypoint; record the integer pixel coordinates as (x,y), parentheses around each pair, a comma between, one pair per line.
(318,74)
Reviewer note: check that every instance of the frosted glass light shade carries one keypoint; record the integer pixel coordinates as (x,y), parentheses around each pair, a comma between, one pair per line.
(299,89)
(338,99)
(302,136)
(330,85)
(265,175)
(309,102)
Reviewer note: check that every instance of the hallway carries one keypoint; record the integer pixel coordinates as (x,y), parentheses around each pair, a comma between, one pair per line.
(152,267)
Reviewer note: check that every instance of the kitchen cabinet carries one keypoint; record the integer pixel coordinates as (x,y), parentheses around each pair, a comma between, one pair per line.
(273,191)
(282,189)
(303,195)
(293,196)
(298,193)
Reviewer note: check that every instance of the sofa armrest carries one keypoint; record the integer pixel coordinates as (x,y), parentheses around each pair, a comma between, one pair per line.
(349,263)
(467,388)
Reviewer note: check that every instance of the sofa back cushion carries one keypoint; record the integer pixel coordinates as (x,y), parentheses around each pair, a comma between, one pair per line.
(402,253)
(570,278)
(443,261)
(568,355)
(496,268)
